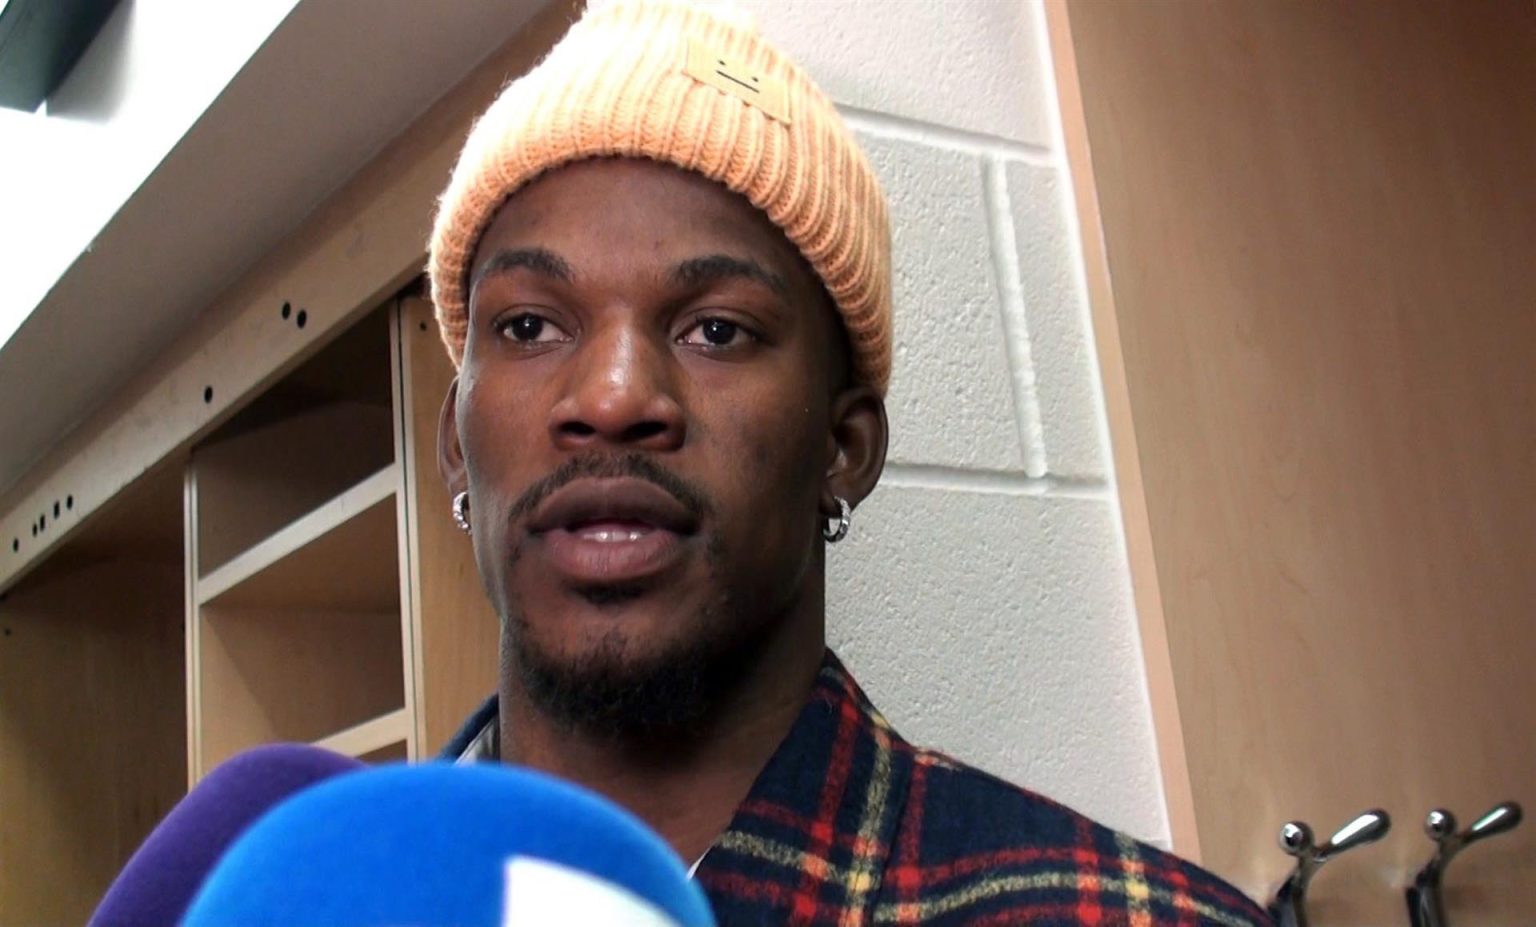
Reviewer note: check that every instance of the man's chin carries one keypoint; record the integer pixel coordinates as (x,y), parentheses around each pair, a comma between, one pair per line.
(620,684)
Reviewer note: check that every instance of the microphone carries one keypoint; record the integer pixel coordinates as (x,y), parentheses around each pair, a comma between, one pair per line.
(438,845)
(164,873)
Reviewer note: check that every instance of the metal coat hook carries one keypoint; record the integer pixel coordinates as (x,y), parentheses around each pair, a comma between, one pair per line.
(1425,906)
(1296,840)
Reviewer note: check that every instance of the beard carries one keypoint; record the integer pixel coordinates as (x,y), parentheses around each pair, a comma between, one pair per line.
(611,693)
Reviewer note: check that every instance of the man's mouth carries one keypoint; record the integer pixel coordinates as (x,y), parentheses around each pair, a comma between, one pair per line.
(617,504)
(600,531)
(612,532)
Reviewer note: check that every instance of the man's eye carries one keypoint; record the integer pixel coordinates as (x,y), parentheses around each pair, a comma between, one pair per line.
(716,333)
(529,328)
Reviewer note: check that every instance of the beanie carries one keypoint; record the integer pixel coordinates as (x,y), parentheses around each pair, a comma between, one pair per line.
(700,89)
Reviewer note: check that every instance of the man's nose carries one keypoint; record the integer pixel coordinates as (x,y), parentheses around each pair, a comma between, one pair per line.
(620,391)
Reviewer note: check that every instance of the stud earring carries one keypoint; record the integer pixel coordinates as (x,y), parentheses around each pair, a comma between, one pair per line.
(461,511)
(845,512)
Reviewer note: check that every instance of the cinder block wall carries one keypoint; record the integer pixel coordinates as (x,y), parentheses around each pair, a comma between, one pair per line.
(983,596)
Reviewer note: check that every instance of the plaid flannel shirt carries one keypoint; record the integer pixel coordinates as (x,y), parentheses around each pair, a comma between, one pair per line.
(849,824)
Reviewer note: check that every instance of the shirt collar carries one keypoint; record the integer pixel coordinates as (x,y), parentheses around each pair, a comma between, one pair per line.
(485,744)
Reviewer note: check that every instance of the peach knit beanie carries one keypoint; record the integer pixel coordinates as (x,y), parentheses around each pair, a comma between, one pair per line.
(700,89)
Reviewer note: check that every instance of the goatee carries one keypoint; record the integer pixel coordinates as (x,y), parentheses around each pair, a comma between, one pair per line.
(609,693)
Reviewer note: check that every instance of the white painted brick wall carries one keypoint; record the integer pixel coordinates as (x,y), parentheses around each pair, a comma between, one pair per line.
(995,624)
(1066,386)
(969,64)
(951,401)
(983,598)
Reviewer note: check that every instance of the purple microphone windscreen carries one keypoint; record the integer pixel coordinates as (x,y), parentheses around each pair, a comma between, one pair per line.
(166,871)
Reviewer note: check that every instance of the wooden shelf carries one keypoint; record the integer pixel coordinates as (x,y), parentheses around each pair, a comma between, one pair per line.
(323,560)
(293,674)
(370,736)
(256,477)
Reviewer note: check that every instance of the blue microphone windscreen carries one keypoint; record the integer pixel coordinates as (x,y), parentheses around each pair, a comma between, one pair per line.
(161,877)
(438,845)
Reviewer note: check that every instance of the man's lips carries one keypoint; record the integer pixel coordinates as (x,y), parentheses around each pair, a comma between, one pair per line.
(617,501)
(600,531)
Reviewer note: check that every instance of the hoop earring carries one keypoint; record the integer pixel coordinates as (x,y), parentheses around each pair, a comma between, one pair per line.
(461,511)
(845,513)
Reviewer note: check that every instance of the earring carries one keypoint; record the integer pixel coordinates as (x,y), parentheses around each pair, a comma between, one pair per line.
(461,511)
(833,535)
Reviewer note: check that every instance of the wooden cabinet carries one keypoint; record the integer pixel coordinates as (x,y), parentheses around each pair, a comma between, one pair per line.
(292,576)
(249,540)
(294,526)
(1309,232)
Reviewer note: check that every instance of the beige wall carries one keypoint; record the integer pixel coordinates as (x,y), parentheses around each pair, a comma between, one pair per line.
(1319,221)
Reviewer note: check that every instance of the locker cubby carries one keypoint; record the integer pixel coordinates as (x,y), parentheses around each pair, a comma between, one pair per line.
(321,430)
(291,674)
(296,588)
(292,575)
(92,705)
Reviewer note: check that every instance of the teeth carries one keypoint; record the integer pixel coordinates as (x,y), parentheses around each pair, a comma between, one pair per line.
(612,535)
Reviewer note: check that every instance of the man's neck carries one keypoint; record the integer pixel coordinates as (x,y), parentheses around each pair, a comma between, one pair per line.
(687,790)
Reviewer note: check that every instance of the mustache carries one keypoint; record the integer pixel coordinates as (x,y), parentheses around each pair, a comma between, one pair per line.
(607,466)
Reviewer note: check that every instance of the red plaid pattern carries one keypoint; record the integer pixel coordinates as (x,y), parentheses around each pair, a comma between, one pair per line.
(850,825)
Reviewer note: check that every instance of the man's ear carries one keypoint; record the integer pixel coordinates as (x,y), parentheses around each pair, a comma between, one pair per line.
(450,454)
(856,446)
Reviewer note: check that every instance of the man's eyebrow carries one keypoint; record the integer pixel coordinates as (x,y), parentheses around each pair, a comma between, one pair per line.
(538,260)
(712,267)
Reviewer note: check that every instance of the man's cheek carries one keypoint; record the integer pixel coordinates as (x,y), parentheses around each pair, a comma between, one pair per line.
(776,442)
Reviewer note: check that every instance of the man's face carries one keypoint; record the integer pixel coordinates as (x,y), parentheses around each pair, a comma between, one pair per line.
(643,422)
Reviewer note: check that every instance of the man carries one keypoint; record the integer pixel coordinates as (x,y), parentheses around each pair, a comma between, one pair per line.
(662,268)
